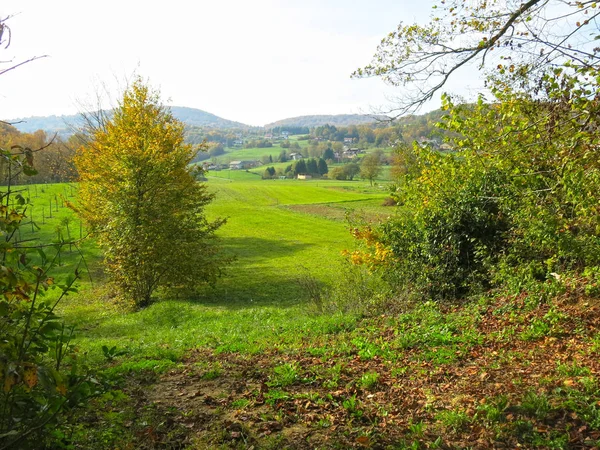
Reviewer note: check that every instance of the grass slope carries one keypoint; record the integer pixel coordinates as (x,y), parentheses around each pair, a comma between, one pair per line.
(274,247)
(249,366)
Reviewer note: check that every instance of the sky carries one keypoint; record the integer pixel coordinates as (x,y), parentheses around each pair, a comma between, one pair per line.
(254,62)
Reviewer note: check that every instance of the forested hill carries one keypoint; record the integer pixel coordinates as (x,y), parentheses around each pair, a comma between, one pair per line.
(63,125)
(199,118)
(341,120)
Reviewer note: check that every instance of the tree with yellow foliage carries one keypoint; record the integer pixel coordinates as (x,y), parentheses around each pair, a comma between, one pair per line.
(142,200)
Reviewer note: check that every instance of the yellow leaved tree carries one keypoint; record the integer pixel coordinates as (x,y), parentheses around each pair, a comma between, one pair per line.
(141,199)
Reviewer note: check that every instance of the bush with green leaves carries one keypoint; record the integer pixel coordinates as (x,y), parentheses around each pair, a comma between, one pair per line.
(41,376)
(450,228)
(519,192)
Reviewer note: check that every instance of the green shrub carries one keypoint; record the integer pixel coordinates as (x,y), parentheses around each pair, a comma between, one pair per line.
(41,377)
(444,241)
(358,290)
(519,193)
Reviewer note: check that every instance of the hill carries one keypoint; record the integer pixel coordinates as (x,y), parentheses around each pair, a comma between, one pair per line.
(199,118)
(63,125)
(341,120)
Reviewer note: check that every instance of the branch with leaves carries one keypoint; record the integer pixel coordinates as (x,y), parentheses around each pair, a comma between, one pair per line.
(497,35)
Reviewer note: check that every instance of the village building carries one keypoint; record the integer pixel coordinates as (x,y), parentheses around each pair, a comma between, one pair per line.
(240,165)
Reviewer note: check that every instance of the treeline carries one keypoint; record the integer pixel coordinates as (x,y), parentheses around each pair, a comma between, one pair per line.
(317,120)
(315,167)
(386,134)
(227,137)
(52,156)
(292,130)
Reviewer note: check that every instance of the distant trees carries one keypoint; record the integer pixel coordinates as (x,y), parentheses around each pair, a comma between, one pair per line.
(292,130)
(310,166)
(53,156)
(212,150)
(370,166)
(299,167)
(141,199)
(258,143)
(327,132)
(215,150)
(328,154)
(269,172)
(322,168)
(266,159)
(345,172)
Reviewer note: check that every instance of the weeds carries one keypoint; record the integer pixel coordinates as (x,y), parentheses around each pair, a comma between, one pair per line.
(369,380)
(284,375)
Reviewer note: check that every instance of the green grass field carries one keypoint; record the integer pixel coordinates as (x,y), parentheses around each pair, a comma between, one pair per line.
(277,230)
(251,363)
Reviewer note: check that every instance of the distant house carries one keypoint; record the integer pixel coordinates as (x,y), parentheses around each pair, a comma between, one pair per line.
(238,142)
(239,165)
(207,165)
(295,156)
(351,153)
(348,140)
(304,177)
(426,142)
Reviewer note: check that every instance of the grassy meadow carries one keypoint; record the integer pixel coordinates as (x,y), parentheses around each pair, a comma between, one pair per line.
(252,363)
(278,231)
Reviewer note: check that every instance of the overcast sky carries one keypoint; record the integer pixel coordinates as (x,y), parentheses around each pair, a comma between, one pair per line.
(253,61)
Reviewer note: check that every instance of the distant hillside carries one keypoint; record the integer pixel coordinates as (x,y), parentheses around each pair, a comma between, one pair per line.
(198,118)
(341,120)
(63,125)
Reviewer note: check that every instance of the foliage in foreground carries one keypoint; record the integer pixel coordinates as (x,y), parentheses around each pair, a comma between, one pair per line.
(520,191)
(143,202)
(41,376)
